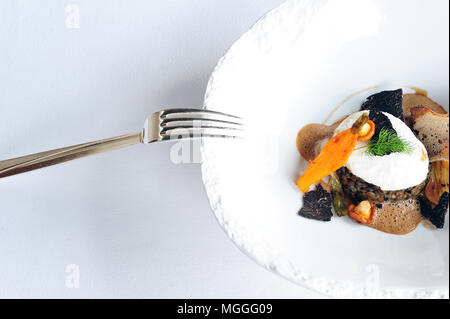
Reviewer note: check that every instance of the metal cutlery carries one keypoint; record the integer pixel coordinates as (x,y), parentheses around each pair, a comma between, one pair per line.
(168,124)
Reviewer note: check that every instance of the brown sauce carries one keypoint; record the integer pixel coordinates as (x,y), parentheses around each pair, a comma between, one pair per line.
(309,139)
(399,217)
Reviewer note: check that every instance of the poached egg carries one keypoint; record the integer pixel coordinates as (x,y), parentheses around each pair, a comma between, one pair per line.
(392,172)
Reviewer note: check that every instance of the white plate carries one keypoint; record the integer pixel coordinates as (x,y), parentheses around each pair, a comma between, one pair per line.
(292,68)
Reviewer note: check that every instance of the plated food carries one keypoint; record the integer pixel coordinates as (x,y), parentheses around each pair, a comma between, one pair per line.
(386,166)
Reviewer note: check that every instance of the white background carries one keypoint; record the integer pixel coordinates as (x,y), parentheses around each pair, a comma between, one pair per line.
(137,225)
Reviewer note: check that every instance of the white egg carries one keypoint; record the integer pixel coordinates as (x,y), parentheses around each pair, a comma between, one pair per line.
(392,172)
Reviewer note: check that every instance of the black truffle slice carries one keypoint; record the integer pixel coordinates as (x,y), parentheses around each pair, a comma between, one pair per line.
(386,101)
(381,121)
(317,205)
(437,214)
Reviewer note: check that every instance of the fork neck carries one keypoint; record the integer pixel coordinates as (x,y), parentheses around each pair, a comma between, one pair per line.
(39,160)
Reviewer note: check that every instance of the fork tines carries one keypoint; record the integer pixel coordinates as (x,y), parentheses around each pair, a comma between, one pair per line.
(192,123)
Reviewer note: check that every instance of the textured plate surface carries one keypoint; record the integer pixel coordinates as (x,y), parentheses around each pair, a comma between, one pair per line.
(293,68)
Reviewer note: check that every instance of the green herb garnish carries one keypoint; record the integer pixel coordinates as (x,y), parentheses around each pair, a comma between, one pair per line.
(388,142)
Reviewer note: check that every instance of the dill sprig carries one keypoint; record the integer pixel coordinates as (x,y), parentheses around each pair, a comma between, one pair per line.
(388,142)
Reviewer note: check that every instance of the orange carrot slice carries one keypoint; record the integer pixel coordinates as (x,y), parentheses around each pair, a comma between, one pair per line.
(333,155)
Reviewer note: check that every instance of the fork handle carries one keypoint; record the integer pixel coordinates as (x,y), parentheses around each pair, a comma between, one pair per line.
(39,160)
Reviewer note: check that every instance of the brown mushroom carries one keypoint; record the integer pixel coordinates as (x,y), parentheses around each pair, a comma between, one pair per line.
(432,129)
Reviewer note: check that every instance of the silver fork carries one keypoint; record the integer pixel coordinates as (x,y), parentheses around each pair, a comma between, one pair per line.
(168,124)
